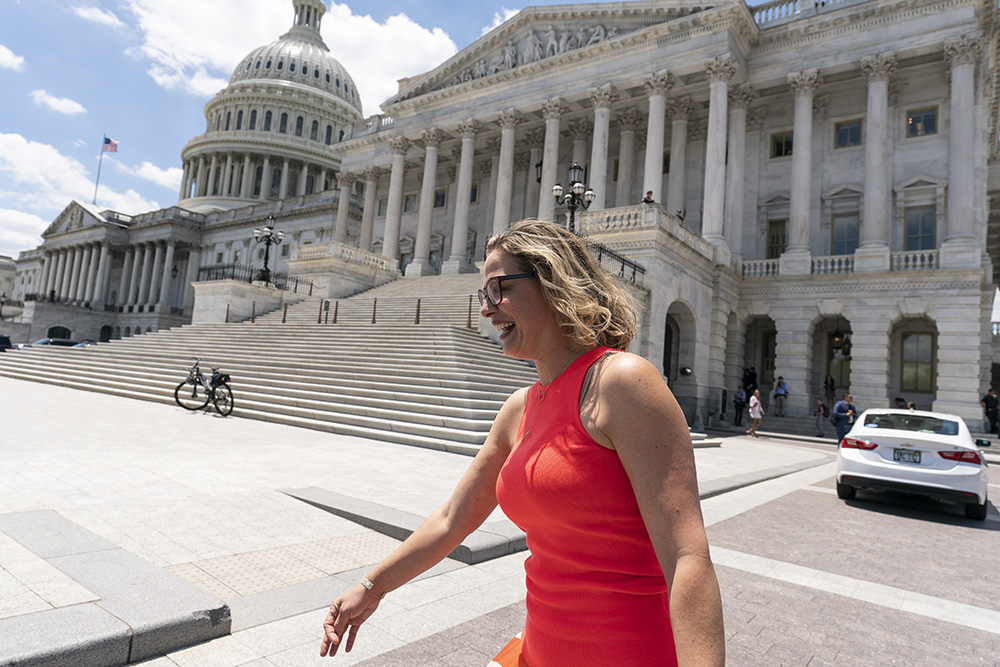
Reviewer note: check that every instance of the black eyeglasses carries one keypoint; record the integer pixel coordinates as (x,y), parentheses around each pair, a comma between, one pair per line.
(493,292)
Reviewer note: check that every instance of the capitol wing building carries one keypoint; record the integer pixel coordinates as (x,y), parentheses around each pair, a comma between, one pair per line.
(821,176)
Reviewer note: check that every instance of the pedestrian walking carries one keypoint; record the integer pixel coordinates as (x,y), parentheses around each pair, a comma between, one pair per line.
(739,404)
(844,414)
(594,462)
(756,413)
(990,404)
(780,395)
(820,417)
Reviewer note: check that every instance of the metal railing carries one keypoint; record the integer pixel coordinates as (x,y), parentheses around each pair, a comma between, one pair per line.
(248,274)
(617,264)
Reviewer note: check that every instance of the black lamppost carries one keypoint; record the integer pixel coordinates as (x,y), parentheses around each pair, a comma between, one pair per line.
(268,237)
(579,195)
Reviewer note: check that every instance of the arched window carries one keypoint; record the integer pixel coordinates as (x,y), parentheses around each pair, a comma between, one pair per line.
(253,119)
(310,182)
(314,132)
(267,121)
(315,73)
(291,67)
(299,122)
(267,65)
(239,119)
(281,65)
(341,138)
(258,176)
(229,116)
(338,82)
(329,134)
(283,124)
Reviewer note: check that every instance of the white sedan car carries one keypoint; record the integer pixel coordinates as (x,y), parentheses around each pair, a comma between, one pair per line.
(925,453)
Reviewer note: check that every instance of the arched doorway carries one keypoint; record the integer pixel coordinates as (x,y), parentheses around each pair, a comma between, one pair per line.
(913,343)
(59,332)
(759,353)
(831,356)
(105,333)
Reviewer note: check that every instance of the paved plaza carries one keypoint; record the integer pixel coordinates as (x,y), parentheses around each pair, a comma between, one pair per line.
(197,502)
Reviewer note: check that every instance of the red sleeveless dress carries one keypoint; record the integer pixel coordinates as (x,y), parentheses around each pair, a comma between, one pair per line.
(596,595)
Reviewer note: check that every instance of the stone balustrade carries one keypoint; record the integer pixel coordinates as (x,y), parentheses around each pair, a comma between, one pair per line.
(833,264)
(345,253)
(371,125)
(760,268)
(914,260)
(779,11)
(639,217)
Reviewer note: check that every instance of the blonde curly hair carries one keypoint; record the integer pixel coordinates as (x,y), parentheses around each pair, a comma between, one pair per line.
(590,305)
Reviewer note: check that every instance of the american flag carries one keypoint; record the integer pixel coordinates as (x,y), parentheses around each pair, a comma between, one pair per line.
(110,145)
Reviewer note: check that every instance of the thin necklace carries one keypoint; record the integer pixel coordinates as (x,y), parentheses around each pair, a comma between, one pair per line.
(542,389)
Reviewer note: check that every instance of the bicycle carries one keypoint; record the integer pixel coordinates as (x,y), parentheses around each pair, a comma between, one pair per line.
(196,391)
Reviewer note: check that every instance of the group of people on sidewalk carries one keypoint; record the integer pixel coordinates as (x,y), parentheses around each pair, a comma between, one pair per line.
(843,411)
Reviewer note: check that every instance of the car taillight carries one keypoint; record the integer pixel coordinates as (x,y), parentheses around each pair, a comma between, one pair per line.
(854,443)
(963,456)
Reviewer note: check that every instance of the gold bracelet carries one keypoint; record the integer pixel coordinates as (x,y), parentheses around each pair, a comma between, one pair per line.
(368,585)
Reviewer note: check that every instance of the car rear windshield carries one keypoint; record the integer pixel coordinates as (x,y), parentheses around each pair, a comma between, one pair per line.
(917,423)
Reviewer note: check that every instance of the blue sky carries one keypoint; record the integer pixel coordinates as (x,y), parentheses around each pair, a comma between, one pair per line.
(141,71)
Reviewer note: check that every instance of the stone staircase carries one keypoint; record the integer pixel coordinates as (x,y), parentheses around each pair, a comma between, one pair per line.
(435,384)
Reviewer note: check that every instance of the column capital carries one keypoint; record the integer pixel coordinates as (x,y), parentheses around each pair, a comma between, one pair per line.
(493,145)
(580,128)
(658,83)
(399,145)
(603,96)
(535,138)
(963,50)
(755,118)
(720,69)
(553,108)
(433,137)
(372,174)
(629,119)
(698,130)
(509,119)
(345,179)
(469,128)
(741,96)
(680,108)
(805,83)
(879,67)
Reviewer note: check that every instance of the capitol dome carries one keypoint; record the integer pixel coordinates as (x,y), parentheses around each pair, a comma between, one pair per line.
(269,132)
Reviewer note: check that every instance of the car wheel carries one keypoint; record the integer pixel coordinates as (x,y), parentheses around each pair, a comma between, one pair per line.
(975,511)
(845,492)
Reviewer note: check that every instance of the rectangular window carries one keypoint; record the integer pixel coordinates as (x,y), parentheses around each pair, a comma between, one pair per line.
(409,203)
(237,256)
(383,206)
(440,198)
(847,134)
(919,231)
(777,238)
(921,122)
(917,368)
(218,257)
(845,234)
(781,144)
(286,250)
(474,195)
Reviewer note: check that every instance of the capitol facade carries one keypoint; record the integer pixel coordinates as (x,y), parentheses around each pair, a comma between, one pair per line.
(823,178)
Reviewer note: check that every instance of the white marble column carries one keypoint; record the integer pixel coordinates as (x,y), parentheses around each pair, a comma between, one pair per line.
(739,99)
(136,275)
(193,264)
(59,274)
(421,264)
(961,248)
(246,187)
(163,303)
(87,274)
(154,277)
(720,71)
(489,171)
(580,130)
(200,180)
(70,278)
(872,253)
(394,207)
(98,294)
(657,87)
(508,120)
(680,110)
(457,262)
(43,278)
(602,98)
(149,251)
(552,110)
(345,180)
(184,180)
(123,282)
(372,175)
(212,175)
(82,272)
(629,121)
(320,185)
(797,258)
(283,188)
(303,177)
(265,180)
(227,176)
(535,140)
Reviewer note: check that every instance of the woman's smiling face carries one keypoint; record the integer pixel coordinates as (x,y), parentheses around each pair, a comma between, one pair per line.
(526,322)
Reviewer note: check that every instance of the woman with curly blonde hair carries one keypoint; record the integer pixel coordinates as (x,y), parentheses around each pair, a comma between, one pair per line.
(594,462)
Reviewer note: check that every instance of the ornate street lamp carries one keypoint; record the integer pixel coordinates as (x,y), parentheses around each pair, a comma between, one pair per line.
(579,195)
(268,237)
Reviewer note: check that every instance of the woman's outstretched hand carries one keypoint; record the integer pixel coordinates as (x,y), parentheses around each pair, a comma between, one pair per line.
(345,616)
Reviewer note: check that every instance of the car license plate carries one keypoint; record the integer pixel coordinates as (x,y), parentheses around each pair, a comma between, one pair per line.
(907,455)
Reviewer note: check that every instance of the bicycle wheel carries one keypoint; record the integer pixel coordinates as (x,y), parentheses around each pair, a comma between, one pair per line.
(223,400)
(191,396)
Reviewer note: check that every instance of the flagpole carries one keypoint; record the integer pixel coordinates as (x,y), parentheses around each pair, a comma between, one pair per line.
(99,163)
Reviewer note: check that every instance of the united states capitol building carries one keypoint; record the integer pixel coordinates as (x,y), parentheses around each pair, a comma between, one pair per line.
(825,178)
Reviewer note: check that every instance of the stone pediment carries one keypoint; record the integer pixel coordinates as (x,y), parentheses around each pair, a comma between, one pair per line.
(538,34)
(75,216)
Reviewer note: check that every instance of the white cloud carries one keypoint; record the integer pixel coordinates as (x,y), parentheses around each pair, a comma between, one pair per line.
(98,15)
(40,181)
(194,46)
(498,18)
(20,231)
(168,178)
(9,60)
(57,104)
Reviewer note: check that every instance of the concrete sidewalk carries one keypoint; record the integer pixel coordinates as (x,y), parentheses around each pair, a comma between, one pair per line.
(130,530)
